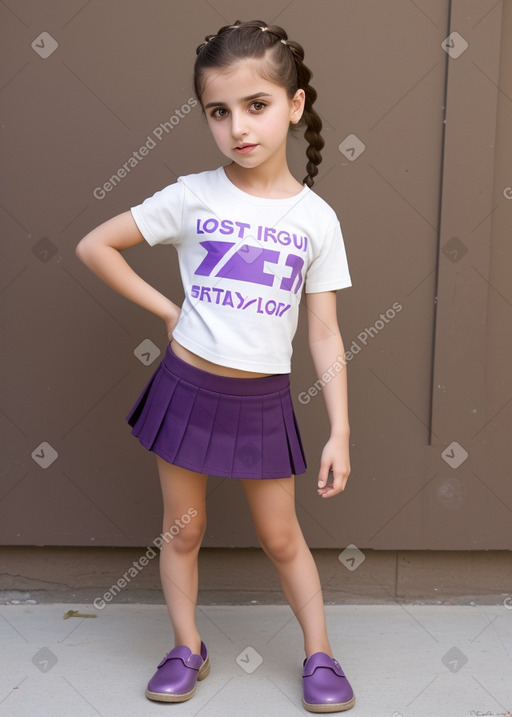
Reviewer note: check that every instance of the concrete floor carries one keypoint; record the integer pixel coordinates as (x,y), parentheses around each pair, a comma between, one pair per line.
(402,660)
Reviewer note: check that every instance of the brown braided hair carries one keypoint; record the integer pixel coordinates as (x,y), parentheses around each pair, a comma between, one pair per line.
(284,66)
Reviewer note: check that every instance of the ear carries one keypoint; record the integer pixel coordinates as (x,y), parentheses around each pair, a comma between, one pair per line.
(297,106)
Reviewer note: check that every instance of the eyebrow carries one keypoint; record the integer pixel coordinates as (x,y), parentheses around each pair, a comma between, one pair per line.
(244,99)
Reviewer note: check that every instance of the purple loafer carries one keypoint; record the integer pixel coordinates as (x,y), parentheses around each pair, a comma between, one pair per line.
(177,674)
(326,689)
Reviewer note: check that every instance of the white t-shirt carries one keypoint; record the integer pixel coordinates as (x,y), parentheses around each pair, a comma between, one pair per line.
(244,261)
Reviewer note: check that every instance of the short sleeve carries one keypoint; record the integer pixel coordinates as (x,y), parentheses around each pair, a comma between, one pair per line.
(159,218)
(329,269)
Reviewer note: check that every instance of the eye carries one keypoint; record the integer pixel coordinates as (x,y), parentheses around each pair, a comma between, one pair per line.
(219,113)
(258,106)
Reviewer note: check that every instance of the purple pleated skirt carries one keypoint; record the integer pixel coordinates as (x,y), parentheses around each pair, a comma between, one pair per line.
(218,425)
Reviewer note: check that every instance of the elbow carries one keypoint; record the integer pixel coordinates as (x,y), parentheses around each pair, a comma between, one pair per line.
(79,251)
(82,250)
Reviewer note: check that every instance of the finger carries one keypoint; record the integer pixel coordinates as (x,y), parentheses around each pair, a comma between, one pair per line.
(337,486)
(323,476)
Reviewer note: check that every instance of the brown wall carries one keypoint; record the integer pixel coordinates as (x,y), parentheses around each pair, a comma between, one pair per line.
(426,210)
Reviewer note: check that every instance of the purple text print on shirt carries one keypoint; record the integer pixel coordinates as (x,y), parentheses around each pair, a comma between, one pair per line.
(247,263)
(263,234)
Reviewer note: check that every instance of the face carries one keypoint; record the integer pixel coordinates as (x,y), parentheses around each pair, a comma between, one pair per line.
(249,117)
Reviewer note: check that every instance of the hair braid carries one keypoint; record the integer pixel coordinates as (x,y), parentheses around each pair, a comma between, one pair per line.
(311,118)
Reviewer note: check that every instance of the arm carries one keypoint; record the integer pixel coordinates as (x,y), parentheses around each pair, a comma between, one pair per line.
(100,250)
(327,351)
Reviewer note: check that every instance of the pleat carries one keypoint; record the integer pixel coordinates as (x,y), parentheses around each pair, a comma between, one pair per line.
(294,440)
(150,409)
(276,461)
(194,444)
(175,423)
(221,444)
(248,453)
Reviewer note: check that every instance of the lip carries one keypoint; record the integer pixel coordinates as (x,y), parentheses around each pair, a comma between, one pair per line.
(245,148)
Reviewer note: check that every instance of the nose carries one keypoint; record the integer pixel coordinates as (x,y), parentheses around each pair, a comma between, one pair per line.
(238,124)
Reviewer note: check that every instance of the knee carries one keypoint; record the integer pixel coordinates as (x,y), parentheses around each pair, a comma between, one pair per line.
(281,546)
(185,536)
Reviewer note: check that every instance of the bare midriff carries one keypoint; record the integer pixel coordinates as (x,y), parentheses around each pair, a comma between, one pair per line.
(205,365)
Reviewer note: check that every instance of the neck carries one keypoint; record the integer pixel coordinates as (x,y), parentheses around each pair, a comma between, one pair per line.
(271,179)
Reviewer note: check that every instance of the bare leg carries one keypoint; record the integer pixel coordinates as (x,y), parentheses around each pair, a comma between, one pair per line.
(184,523)
(272,505)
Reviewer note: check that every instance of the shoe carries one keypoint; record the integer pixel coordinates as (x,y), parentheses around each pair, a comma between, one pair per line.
(326,689)
(176,676)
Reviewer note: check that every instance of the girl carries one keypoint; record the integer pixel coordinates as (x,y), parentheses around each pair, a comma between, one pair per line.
(249,238)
